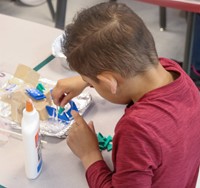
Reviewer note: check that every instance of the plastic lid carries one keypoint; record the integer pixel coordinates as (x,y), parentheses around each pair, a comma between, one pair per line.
(29,105)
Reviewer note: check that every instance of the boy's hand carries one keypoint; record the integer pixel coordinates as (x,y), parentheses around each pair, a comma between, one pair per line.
(66,89)
(83,142)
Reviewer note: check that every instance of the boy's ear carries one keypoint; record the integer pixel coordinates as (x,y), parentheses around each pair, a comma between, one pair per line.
(109,80)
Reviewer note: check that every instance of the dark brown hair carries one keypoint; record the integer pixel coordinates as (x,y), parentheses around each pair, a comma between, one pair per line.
(109,37)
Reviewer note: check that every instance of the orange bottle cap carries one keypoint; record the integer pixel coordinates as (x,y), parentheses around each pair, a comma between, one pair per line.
(29,105)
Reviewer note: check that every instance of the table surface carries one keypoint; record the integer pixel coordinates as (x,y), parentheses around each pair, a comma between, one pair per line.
(24,42)
(186,5)
(61,168)
(29,43)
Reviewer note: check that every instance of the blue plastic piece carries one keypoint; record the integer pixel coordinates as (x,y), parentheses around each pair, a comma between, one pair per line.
(73,107)
(63,116)
(52,112)
(35,94)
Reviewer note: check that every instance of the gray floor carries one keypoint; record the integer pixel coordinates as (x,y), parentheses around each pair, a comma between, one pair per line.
(170,43)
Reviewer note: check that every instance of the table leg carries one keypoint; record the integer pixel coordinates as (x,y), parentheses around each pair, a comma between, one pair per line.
(189,42)
(162,11)
(50,5)
(60,14)
(195,57)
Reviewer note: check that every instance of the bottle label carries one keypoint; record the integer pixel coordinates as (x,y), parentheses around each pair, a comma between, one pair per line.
(38,146)
(39,166)
(37,139)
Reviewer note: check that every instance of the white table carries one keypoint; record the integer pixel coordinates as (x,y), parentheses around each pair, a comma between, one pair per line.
(24,42)
(30,43)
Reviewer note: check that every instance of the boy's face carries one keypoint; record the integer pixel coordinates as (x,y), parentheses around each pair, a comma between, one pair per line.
(104,90)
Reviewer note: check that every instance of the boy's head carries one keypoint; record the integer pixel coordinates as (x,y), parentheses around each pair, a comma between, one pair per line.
(109,37)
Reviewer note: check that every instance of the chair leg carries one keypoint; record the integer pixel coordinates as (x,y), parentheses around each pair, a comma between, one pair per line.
(52,11)
(60,14)
(162,11)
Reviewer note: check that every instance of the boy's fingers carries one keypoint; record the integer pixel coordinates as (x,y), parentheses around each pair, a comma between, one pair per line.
(65,99)
(77,117)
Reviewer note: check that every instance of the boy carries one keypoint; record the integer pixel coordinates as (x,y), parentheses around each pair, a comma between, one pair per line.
(156,141)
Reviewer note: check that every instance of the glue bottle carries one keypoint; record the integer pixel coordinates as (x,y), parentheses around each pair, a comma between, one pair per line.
(31,141)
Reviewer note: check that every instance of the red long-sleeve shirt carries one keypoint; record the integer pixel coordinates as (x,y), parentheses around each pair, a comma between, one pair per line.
(157,141)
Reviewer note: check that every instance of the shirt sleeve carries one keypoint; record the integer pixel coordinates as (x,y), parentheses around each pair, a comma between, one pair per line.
(135,156)
(99,175)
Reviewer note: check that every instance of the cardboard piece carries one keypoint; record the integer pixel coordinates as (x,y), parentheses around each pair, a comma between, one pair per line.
(18,97)
(27,74)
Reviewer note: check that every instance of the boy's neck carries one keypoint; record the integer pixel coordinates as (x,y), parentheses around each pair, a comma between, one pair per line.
(154,78)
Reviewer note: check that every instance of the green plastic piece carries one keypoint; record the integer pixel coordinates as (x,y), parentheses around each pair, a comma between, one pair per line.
(101,147)
(104,143)
(60,110)
(101,141)
(108,140)
(40,87)
(109,147)
(100,135)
